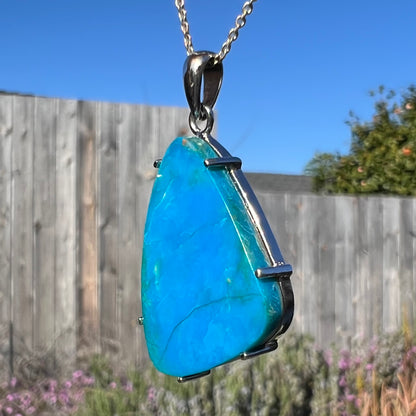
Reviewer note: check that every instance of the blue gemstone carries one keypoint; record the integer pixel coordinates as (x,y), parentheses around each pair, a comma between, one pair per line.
(202,304)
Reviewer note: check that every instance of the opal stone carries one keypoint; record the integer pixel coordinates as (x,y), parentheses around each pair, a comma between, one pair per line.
(202,303)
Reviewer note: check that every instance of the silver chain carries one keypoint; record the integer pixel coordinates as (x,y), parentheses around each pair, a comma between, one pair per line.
(240,21)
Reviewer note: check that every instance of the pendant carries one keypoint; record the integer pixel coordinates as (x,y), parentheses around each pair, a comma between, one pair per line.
(215,287)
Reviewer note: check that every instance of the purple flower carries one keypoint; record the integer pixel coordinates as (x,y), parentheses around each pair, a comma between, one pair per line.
(63,397)
(369,367)
(328,357)
(411,354)
(88,381)
(113,385)
(129,386)
(357,360)
(77,374)
(68,384)
(9,410)
(350,397)
(13,382)
(31,410)
(10,397)
(342,382)
(50,397)
(25,400)
(151,394)
(344,363)
(373,347)
(53,384)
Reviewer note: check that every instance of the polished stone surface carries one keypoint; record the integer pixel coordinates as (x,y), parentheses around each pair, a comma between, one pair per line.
(202,304)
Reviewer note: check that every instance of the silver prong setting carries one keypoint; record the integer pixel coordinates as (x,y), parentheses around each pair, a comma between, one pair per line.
(193,376)
(282,271)
(264,349)
(156,163)
(220,162)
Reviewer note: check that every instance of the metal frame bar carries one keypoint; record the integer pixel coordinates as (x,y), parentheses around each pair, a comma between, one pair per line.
(193,376)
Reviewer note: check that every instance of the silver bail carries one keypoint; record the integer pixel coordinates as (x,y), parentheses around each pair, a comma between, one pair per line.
(202,66)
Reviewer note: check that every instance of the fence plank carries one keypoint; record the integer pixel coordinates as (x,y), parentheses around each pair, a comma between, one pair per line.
(406,260)
(391,282)
(344,267)
(108,225)
(147,151)
(87,184)
(413,234)
(172,123)
(374,230)
(325,277)
(309,264)
(405,272)
(275,206)
(22,224)
(363,275)
(44,222)
(6,128)
(293,254)
(66,234)
(129,266)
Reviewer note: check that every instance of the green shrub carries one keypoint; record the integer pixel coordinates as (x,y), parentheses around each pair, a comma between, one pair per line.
(298,379)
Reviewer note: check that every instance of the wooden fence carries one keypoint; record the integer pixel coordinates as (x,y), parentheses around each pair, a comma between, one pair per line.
(353,259)
(75,179)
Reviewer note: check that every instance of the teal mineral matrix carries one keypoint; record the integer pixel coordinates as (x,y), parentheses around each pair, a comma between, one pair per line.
(201,301)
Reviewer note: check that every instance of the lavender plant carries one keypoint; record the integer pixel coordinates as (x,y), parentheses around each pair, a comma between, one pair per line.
(300,379)
(47,396)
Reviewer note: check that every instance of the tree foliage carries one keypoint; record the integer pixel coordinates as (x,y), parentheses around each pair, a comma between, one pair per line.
(382,157)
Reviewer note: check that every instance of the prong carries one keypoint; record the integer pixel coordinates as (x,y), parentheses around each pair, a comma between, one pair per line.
(282,271)
(264,349)
(157,163)
(140,320)
(231,162)
(193,376)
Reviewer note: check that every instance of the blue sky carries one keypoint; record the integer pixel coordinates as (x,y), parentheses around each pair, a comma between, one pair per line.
(290,80)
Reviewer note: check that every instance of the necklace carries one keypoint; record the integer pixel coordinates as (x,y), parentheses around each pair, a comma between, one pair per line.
(240,21)
(215,286)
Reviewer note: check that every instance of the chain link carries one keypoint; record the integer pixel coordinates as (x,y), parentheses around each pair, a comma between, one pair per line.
(180,5)
(240,21)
